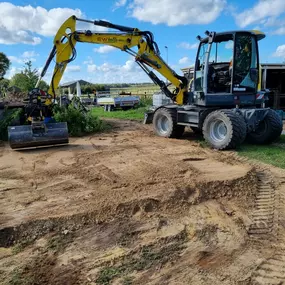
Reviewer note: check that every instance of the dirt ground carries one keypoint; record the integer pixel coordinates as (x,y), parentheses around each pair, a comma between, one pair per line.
(127,207)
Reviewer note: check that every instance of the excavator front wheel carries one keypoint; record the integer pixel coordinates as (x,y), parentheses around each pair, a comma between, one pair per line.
(165,123)
(224,129)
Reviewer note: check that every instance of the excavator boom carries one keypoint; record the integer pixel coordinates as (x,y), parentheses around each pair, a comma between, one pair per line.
(147,55)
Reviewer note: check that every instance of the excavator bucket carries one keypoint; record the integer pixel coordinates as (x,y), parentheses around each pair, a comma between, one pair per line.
(26,136)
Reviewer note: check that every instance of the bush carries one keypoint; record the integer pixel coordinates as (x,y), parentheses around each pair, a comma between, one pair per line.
(145,101)
(8,117)
(78,122)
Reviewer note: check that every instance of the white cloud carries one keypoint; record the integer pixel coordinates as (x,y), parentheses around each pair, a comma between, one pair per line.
(8,37)
(91,68)
(178,12)
(12,71)
(104,49)
(29,54)
(15,59)
(119,3)
(88,60)
(38,20)
(184,60)
(24,24)
(265,12)
(129,72)
(25,57)
(188,46)
(280,51)
(73,68)
(280,31)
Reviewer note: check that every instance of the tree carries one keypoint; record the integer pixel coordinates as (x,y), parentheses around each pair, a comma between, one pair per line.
(27,79)
(19,80)
(4,64)
(4,83)
(43,86)
(31,75)
(87,89)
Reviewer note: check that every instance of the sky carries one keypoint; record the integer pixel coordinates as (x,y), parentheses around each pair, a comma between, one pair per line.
(27,29)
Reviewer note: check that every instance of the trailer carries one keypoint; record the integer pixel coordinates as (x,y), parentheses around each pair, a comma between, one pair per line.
(112,102)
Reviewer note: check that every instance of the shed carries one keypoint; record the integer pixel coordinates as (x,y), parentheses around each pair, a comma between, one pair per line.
(71,85)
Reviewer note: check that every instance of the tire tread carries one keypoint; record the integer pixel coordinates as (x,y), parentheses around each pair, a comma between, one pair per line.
(273,133)
(176,130)
(238,126)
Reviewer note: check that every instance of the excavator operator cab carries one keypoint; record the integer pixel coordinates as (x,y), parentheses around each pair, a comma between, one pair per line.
(226,69)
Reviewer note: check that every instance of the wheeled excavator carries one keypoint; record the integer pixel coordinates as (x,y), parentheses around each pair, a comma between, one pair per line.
(224,100)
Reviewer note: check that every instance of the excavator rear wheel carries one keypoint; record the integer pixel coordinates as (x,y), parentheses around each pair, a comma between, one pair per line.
(165,123)
(224,129)
(268,130)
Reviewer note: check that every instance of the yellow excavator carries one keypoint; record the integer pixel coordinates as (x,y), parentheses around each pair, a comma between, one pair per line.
(224,100)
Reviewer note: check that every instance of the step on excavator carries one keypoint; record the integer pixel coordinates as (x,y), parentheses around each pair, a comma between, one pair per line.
(224,100)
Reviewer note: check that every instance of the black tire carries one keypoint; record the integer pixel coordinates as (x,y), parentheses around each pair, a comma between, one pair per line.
(165,123)
(224,129)
(268,130)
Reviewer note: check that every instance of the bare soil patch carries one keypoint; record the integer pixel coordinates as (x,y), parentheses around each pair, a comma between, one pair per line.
(127,207)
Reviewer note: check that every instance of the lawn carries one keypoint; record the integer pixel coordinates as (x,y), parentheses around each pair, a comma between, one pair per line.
(132,114)
(273,154)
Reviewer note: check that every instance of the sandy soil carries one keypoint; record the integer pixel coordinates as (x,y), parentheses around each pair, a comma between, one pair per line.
(126,207)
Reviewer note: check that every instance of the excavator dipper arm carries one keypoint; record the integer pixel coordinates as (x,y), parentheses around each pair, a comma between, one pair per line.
(147,55)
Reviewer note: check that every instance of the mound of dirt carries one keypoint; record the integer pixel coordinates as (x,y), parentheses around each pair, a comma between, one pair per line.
(125,207)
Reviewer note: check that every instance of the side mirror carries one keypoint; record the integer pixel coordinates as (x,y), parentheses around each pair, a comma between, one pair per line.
(253,73)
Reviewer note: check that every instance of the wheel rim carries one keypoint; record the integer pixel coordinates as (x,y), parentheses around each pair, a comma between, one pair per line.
(163,124)
(218,130)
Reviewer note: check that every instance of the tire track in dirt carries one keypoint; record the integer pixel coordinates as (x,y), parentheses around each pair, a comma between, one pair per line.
(272,270)
(263,215)
(264,225)
(268,225)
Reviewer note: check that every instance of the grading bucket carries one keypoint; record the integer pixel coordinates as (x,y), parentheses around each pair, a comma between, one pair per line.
(26,136)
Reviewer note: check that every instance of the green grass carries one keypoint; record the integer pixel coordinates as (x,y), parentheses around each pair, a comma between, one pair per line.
(132,114)
(20,246)
(148,257)
(273,154)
